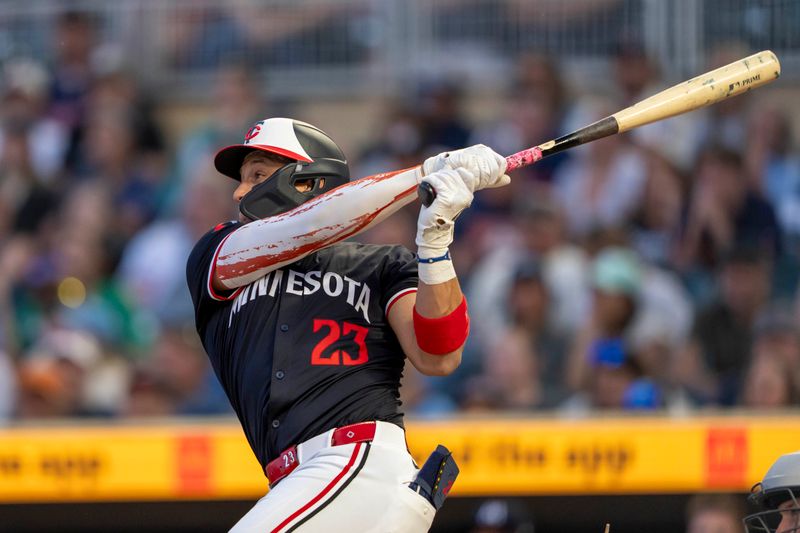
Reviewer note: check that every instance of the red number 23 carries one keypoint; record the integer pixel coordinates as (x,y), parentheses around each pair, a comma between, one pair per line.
(339,357)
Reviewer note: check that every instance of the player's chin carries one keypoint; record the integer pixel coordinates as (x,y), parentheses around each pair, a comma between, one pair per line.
(243,219)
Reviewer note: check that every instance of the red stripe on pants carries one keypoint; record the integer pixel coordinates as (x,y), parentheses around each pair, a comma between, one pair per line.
(324,491)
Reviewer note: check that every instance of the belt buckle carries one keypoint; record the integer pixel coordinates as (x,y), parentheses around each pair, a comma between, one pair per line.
(282,466)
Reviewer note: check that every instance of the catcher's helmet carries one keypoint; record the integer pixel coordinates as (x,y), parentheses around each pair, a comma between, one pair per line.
(781,484)
(314,157)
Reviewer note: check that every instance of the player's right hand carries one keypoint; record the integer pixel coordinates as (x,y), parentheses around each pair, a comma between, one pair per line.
(488,167)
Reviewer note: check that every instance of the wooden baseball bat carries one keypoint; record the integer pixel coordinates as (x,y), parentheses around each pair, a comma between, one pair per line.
(709,88)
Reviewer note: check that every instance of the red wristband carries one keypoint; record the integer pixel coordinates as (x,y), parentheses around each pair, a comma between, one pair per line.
(440,336)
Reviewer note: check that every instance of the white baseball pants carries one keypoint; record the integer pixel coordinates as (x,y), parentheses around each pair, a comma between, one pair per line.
(361,487)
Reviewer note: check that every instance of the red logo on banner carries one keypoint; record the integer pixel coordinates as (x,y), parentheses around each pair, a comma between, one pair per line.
(252,132)
(193,464)
(726,457)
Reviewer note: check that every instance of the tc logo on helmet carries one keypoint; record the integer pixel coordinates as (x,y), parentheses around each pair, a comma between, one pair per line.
(252,132)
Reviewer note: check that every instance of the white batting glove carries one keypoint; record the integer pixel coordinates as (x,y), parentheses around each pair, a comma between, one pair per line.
(435,223)
(486,165)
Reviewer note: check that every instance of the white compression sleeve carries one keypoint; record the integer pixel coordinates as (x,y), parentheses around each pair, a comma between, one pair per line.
(265,245)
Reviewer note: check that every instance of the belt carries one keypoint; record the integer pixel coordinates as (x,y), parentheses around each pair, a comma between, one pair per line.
(290,458)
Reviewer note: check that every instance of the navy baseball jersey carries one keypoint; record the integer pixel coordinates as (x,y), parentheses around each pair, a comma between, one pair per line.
(306,348)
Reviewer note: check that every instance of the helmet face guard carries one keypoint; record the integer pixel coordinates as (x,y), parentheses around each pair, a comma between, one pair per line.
(278,193)
(788,519)
(778,498)
(316,160)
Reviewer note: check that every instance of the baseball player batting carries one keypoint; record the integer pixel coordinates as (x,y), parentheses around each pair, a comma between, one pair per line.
(309,335)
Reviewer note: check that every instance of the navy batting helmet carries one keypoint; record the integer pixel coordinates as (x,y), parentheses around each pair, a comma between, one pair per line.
(314,157)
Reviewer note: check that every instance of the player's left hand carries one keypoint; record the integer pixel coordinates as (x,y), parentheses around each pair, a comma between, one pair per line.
(435,224)
(488,167)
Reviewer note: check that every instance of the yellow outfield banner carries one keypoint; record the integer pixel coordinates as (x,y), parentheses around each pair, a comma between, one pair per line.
(610,456)
(507,456)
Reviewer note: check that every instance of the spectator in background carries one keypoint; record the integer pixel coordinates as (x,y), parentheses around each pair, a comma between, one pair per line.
(511,377)
(615,380)
(723,214)
(32,142)
(32,149)
(541,75)
(601,185)
(636,74)
(110,159)
(662,323)
(397,144)
(778,333)
(637,77)
(538,234)
(711,366)
(179,361)
(441,118)
(529,305)
(175,379)
(767,384)
(519,345)
(656,223)
(773,377)
(429,121)
(530,120)
(117,91)
(725,123)
(16,257)
(149,395)
(774,170)
(49,388)
(537,237)
(533,113)
(54,377)
(25,202)
(714,513)
(74,41)
(502,516)
(664,311)
(616,280)
(161,292)
(238,101)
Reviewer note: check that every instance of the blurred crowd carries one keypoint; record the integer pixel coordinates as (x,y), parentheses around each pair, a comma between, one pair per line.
(652,270)
(704,513)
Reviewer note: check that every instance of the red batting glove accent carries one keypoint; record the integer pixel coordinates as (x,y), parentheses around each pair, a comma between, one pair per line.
(440,336)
